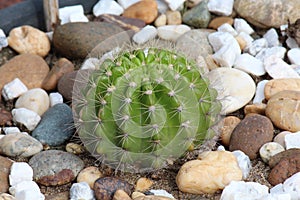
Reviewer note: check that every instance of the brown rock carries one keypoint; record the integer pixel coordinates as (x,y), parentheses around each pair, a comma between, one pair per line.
(173,17)
(62,66)
(284,110)
(242,42)
(65,85)
(58,196)
(274,160)
(60,178)
(89,175)
(145,10)
(143,184)
(152,197)
(255,109)
(121,195)
(228,125)
(277,85)
(250,134)
(5,165)
(161,20)
(29,68)
(218,21)
(5,117)
(284,169)
(106,187)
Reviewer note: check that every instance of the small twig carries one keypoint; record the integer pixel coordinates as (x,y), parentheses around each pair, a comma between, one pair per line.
(51,14)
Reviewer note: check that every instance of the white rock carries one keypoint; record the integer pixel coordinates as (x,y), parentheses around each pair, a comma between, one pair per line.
(242,25)
(294,56)
(172,32)
(90,63)
(280,138)
(20,171)
(270,149)
(13,89)
(289,186)
(260,94)
(11,130)
(220,7)
(232,96)
(66,12)
(81,190)
(78,17)
(272,37)
(244,162)
(278,52)
(256,46)
(55,98)
(246,38)
(219,39)
(24,185)
(277,68)
(50,35)
(163,193)
(221,148)
(282,196)
(162,6)
(29,195)
(227,28)
(107,7)
(291,43)
(145,34)
(3,40)
(107,55)
(127,3)
(28,118)
(292,140)
(283,29)
(249,64)
(226,56)
(175,4)
(238,190)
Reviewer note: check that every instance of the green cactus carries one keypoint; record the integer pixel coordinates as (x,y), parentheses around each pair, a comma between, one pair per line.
(145,107)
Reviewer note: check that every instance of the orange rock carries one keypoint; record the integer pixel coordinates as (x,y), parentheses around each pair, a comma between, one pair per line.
(218,21)
(145,10)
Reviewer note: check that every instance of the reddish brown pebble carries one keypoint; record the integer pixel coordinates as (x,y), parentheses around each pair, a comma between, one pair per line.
(5,117)
(60,178)
(274,160)
(5,165)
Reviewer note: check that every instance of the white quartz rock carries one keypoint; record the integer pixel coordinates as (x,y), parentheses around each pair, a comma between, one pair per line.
(78,17)
(228,29)
(256,46)
(107,7)
(260,94)
(29,195)
(219,39)
(294,56)
(66,12)
(277,68)
(291,43)
(55,98)
(272,37)
(282,196)
(241,25)
(163,193)
(227,55)
(249,64)
(3,40)
(247,38)
(244,162)
(11,130)
(24,185)
(81,190)
(175,4)
(172,32)
(28,118)
(145,34)
(127,3)
(270,149)
(283,29)
(292,140)
(238,190)
(278,52)
(20,171)
(220,7)
(289,186)
(162,6)
(13,89)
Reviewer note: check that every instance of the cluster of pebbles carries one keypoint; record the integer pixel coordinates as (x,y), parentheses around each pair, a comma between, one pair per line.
(248,54)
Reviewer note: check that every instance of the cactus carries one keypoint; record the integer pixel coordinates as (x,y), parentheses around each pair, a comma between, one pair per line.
(145,107)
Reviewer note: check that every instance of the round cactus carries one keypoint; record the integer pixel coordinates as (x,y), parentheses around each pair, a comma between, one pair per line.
(145,107)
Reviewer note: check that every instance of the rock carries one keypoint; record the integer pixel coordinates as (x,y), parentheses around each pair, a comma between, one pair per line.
(220,7)
(36,100)
(152,197)
(121,195)
(242,42)
(147,33)
(127,3)
(282,109)
(59,196)
(162,6)
(268,14)
(27,39)
(19,172)
(218,21)
(29,194)
(143,184)
(294,55)
(54,167)
(72,14)
(270,149)
(55,98)
(244,190)
(227,28)
(212,172)
(292,140)
(291,43)
(144,10)
(175,5)
(5,165)
(5,196)
(55,128)
(28,186)
(11,130)
(244,162)
(29,68)
(75,148)
(278,52)
(247,38)
(256,46)
(241,25)
(136,195)
(161,20)
(92,63)
(280,138)
(220,39)
(272,38)
(277,68)
(249,64)
(173,17)
(19,144)
(198,16)
(65,85)
(81,191)
(13,89)
(228,125)
(26,117)
(260,91)
(250,134)
(289,187)
(106,187)
(289,153)
(257,108)
(5,117)
(161,193)
(3,40)
(107,7)
(277,85)
(89,175)
(76,40)
(60,68)
(232,96)
(172,32)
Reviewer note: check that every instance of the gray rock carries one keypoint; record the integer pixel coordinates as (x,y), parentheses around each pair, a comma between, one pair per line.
(198,16)
(56,126)
(65,85)
(54,167)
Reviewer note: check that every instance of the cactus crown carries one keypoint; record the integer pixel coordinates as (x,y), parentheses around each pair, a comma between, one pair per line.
(144,107)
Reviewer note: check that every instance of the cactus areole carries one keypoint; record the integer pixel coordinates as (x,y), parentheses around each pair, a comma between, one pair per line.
(143,108)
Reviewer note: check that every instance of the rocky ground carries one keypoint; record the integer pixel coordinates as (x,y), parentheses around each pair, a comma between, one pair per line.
(246,50)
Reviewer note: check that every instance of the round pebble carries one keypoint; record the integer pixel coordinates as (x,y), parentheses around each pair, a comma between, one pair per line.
(65,85)
(75,148)
(279,138)
(89,175)
(269,149)
(228,125)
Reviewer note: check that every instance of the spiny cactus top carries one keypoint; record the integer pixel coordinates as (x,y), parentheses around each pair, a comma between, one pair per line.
(144,108)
